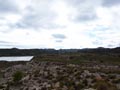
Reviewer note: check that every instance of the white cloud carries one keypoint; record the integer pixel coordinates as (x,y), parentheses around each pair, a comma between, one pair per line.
(32,23)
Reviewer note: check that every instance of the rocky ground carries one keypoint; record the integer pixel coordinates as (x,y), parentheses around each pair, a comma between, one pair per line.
(61,76)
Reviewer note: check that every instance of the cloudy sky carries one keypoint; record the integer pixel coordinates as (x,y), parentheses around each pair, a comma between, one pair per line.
(59,23)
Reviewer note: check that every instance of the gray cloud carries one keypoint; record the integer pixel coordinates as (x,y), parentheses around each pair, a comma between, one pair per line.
(10,46)
(110,45)
(35,15)
(38,19)
(85,16)
(7,6)
(84,10)
(97,42)
(59,41)
(7,43)
(4,42)
(28,21)
(39,14)
(109,3)
(25,23)
(59,36)
(75,2)
(83,4)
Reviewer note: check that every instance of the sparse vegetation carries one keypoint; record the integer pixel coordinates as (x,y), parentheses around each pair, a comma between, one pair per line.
(69,71)
(102,85)
(1,86)
(17,76)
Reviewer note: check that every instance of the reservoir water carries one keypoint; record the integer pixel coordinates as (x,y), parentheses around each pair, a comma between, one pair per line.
(16,58)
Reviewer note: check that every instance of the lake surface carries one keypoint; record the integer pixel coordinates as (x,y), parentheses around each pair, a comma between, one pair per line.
(16,58)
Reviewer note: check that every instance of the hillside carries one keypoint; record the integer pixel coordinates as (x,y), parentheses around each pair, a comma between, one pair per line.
(34,52)
(86,69)
(44,73)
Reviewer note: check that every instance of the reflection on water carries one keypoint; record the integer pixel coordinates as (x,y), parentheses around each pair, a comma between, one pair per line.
(16,58)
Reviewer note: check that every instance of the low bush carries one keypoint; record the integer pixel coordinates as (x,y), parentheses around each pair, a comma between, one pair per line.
(17,76)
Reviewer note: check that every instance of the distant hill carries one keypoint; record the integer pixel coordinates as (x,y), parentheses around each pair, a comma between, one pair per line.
(101,50)
(24,52)
(34,52)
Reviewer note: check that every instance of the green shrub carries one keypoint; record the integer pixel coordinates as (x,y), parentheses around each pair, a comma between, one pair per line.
(17,76)
(103,85)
